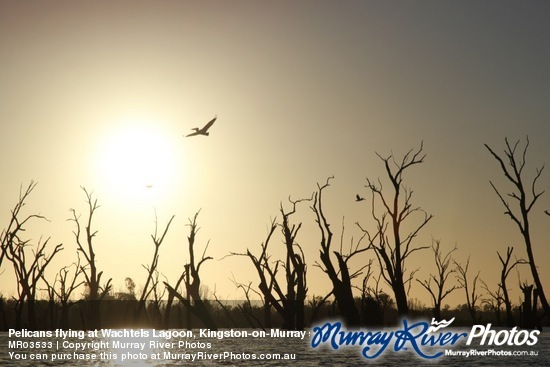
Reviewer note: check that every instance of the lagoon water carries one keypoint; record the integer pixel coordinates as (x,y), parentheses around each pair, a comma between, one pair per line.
(242,348)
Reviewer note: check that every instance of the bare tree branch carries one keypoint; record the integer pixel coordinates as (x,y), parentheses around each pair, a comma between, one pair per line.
(339,274)
(470,289)
(437,291)
(193,280)
(151,269)
(397,209)
(92,275)
(525,199)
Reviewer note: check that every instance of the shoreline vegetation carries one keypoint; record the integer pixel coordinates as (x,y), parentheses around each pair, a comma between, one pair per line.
(117,313)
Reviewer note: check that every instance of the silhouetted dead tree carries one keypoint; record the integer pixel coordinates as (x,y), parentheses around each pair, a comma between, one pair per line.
(194,301)
(384,302)
(525,195)
(9,236)
(67,285)
(225,309)
(61,298)
(372,312)
(170,300)
(158,300)
(506,269)
(469,289)
(494,301)
(339,275)
(28,270)
(287,299)
(443,263)
(500,296)
(247,309)
(396,210)
(96,292)
(151,269)
(295,272)
(375,292)
(529,317)
(315,304)
(267,274)
(367,292)
(51,311)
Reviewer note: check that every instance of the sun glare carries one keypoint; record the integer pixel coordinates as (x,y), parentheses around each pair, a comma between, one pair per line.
(137,160)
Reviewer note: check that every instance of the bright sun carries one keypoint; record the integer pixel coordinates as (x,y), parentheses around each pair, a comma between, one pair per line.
(136,160)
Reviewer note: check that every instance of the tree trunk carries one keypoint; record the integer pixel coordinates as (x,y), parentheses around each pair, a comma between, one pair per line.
(534,271)
(401,298)
(346,304)
(31,315)
(64,322)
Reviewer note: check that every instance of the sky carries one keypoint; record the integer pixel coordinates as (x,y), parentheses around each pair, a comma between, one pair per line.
(100,95)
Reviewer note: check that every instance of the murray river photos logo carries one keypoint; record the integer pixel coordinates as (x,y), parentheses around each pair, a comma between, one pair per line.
(425,339)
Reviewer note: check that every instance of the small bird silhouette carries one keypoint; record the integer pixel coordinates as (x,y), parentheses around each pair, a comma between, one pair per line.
(359,198)
(204,129)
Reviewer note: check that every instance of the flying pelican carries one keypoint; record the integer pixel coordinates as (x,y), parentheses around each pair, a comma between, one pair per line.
(204,129)
(359,198)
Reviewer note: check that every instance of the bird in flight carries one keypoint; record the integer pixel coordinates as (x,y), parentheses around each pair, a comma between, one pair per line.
(359,198)
(204,129)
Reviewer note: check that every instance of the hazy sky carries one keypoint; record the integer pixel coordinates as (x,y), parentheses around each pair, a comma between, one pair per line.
(100,94)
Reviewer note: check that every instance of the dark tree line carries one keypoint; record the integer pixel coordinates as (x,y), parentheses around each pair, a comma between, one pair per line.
(390,235)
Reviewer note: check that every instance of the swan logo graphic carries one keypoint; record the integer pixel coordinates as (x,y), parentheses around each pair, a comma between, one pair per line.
(439,325)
